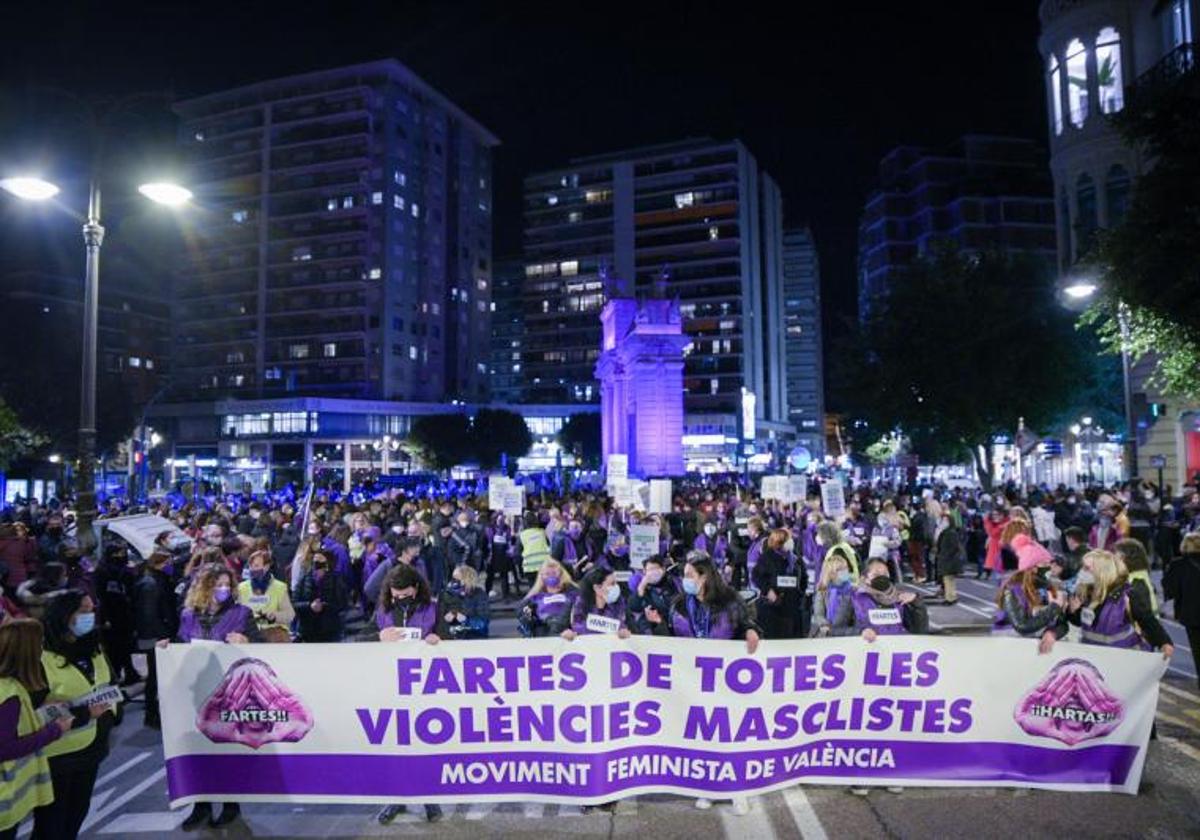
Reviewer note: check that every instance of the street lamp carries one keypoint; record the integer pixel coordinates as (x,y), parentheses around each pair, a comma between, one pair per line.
(1080,289)
(33,188)
(385,445)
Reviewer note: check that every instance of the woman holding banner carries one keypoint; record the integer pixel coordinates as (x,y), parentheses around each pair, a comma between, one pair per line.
(75,668)
(835,586)
(546,610)
(211,613)
(1113,611)
(780,581)
(1029,605)
(407,611)
(709,608)
(26,781)
(652,596)
(600,607)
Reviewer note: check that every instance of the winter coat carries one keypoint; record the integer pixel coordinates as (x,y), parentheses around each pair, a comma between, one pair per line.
(326,625)
(215,626)
(1181,584)
(154,608)
(949,552)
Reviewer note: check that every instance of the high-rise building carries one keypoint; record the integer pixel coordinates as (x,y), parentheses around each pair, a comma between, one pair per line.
(983,193)
(508,331)
(1100,57)
(342,243)
(802,340)
(700,211)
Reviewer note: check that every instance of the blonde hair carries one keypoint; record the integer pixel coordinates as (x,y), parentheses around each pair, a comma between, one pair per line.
(199,595)
(1191,543)
(468,575)
(539,585)
(1109,572)
(834,563)
(1014,527)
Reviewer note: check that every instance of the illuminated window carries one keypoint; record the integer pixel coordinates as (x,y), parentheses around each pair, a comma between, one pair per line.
(713,385)
(400,178)
(289,422)
(347,202)
(545,306)
(199,135)
(713,233)
(686,199)
(398,202)
(149,364)
(240,216)
(1056,94)
(302,253)
(235,358)
(412,352)
(1077,82)
(375,273)
(298,351)
(569,268)
(331,204)
(1108,71)
(329,350)
(481,285)
(552,199)
(574,216)
(416,210)
(377,198)
(597,196)
(1181,24)
(135,362)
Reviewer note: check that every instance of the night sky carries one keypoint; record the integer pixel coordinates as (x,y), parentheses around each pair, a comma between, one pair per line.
(818,93)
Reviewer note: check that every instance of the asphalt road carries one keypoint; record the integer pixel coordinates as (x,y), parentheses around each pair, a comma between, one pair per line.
(130,799)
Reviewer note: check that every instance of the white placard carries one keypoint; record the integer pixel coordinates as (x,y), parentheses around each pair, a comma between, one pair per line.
(786,581)
(623,493)
(882,617)
(879,548)
(618,468)
(622,577)
(514,500)
(497,484)
(410,634)
(833,498)
(660,496)
(797,488)
(602,624)
(643,544)
(775,487)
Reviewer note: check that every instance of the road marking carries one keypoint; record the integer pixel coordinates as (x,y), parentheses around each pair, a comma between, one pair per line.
(803,814)
(1187,749)
(1180,693)
(112,774)
(755,824)
(107,811)
(158,822)
(1183,671)
(1174,721)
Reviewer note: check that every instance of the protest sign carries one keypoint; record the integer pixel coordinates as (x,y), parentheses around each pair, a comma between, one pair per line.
(513,502)
(660,496)
(618,468)
(497,484)
(643,544)
(602,718)
(833,498)
(797,490)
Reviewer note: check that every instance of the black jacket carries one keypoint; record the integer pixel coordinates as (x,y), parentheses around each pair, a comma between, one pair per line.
(779,619)
(325,625)
(155,612)
(1181,584)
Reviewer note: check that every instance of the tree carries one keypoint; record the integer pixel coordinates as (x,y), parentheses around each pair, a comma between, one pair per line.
(16,441)
(497,432)
(580,436)
(442,440)
(961,346)
(1150,262)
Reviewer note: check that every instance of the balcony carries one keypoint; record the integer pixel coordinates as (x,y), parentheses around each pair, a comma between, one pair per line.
(1172,67)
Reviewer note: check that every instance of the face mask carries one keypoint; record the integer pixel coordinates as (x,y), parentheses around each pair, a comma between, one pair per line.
(842,577)
(654,577)
(551,580)
(789,546)
(83,624)
(612,594)
(1085,578)
(881,584)
(710,530)
(260,577)
(404,603)
(691,587)
(221,594)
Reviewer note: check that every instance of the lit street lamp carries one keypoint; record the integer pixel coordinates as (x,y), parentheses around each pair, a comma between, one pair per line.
(1080,289)
(30,188)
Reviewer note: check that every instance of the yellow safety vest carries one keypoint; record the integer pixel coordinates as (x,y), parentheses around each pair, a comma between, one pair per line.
(25,781)
(66,684)
(535,550)
(268,603)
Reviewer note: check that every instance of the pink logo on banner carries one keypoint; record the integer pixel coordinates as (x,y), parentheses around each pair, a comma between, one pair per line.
(252,706)
(1071,704)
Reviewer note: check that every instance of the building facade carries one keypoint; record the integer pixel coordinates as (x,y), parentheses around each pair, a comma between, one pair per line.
(341,244)
(982,193)
(1096,56)
(802,340)
(508,331)
(703,212)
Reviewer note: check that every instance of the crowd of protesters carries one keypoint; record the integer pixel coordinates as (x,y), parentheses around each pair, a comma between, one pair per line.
(433,562)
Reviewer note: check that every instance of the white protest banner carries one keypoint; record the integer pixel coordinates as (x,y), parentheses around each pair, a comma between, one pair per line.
(497,484)
(623,493)
(797,491)
(833,498)
(643,544)
(141,530)
(618,468)
(603,718)
(774,487)
(514,500)
(660,496)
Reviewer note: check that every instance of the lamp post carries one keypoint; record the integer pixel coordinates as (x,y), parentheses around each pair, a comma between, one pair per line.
(1080,290)
(31,188)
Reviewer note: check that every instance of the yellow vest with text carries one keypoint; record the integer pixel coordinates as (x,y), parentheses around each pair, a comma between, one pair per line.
(535,550)
(66,684)
(25,781)
(268,603)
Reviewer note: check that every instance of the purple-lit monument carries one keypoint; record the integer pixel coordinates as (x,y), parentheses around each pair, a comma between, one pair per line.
(641,379)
